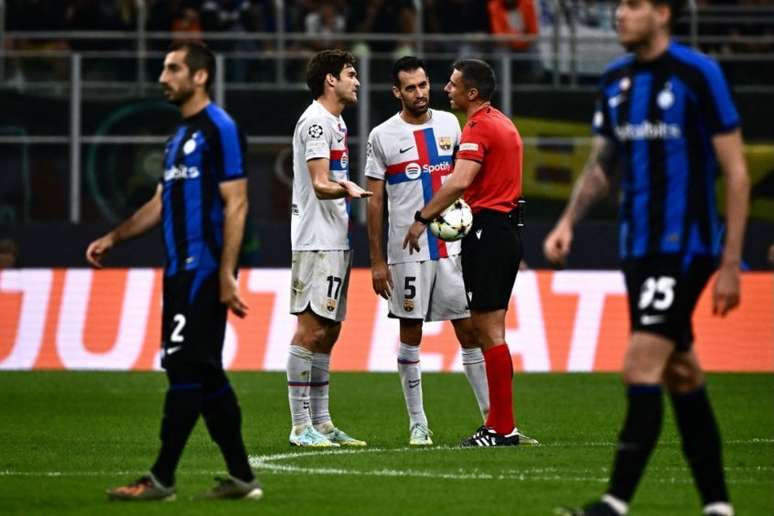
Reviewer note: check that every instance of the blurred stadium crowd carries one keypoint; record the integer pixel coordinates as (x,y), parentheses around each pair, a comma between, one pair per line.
(327,19)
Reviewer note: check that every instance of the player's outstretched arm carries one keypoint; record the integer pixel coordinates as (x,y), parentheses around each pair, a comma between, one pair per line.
(590,186)
(234,195)
(325,188)
(148,216)
(381,279)
(728,148)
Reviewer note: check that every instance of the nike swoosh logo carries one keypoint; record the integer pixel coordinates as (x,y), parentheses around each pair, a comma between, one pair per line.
(413,383)
(616,101)
(478,233)
(647,320)
(339,139)
(406,149)
(173,349)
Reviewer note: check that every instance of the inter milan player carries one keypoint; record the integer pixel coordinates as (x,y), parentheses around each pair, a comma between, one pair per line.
(487,171)
(665,118)
(201,202)
(320,243)
(409,155)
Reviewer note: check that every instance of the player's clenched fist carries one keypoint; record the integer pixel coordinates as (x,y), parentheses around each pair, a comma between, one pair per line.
(556,246)
(98,249)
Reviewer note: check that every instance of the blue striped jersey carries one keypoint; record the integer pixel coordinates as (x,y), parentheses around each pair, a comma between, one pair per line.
(206,149)
(662,115)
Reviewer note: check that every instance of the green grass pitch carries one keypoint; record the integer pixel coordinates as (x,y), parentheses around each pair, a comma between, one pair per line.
(67,436)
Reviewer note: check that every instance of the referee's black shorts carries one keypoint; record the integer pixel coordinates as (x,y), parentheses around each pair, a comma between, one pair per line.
(193,320)
(491,254)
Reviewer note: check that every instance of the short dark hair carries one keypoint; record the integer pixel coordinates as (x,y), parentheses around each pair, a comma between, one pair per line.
(198,56)
(477,74)
(676,7)
(324,63)
(406,64)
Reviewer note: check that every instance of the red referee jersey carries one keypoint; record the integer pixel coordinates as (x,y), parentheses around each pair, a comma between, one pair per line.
(490,138)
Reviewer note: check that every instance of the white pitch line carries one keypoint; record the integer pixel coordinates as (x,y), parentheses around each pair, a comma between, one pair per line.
(268,463)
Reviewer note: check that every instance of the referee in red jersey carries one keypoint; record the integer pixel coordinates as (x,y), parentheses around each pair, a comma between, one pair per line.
(487,171)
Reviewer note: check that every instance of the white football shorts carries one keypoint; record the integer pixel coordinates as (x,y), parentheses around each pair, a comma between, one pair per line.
(429,290)
(319,281)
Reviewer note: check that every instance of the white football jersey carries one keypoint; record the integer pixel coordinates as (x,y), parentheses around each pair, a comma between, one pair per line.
(316,224)
(414,161)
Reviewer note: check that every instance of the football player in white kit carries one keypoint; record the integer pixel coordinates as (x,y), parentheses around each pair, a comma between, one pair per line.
(320,243)
(409,155)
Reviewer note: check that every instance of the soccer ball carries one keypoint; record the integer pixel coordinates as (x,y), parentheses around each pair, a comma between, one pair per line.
(453,223)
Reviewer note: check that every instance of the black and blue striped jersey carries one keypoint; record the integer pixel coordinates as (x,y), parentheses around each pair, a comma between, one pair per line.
(662,114)
(206,149)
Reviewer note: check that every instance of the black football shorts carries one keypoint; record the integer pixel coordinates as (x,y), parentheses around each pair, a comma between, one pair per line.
(193,319)
(663,291)
(491,254)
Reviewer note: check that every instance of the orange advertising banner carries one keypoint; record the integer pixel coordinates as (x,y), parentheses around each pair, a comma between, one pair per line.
(557,321)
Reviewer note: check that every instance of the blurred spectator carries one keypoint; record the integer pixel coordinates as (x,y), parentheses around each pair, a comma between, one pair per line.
(187,25)
(173,16)
(457,17)
(9,252)
(237,16)
(383,17)
(325,22)
(36,16)
(519,19)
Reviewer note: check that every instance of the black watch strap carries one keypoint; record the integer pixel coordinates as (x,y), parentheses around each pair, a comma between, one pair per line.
(419,218)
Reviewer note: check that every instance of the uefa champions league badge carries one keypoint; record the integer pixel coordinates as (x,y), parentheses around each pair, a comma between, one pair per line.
(666,98)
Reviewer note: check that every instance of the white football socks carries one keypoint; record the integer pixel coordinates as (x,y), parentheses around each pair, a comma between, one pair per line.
(475,371)
(411,382)
(319,388)
(299,372)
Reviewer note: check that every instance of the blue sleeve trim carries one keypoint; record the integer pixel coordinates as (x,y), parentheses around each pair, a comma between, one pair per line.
(719,93)
(232,166)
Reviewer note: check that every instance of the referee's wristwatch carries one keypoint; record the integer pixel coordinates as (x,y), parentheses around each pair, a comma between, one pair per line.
(419,218)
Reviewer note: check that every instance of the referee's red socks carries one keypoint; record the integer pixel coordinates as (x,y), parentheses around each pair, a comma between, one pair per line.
(499,374)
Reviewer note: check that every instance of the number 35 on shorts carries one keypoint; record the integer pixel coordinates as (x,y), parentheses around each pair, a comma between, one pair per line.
(657,292)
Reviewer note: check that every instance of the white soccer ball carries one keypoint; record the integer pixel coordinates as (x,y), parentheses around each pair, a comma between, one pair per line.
(454,222)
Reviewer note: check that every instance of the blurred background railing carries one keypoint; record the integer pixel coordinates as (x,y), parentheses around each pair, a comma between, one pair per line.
(83,119)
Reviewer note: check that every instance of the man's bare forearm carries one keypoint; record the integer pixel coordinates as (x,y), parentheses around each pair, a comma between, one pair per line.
(234,214)
(592,183)
(147,217)
(375,212)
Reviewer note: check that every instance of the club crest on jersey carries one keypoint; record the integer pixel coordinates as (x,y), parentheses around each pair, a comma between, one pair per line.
(190,145)
(413,170)
(666,98)
(445,143)
(408,305)
(330,305)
